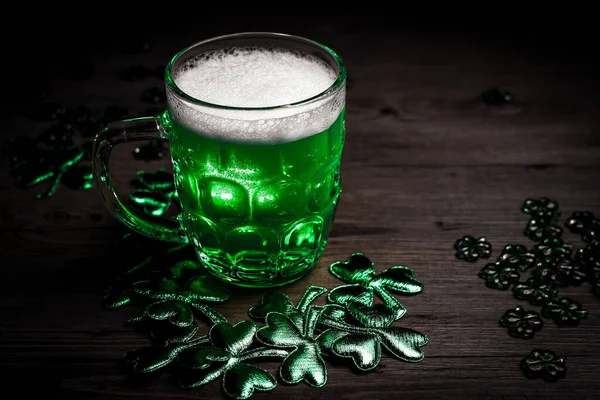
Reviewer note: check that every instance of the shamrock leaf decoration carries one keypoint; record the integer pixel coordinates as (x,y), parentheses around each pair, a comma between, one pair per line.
(362,340)
(200,287)
(580,221)
(155,255)
(565,312)
(51,159)
(305,362)
(359,272)
(153,358)
(281,303)
(539,229)
(229,349)
(543,208)
(551,251)
(157,192)
(535,292)
(470,249)
(499,275)
(544,364)
(518,256)
(521,323)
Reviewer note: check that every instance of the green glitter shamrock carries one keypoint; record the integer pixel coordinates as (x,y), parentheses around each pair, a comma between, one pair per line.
(470,249)
(499,275)
(148,359)
(550,251)
(230,348)
(534,291)
(51,160)
(359,271)
(155,255)
(199,288)
(544,364)
(305,362)
(157,192)
(521,323)
(281,303)
(543,208)
(565,312)
(517,256)
(362,340)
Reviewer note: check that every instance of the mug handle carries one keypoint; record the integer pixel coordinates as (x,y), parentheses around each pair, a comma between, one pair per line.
(131,130)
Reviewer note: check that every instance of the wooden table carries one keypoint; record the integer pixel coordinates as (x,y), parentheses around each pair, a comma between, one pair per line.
(425,163)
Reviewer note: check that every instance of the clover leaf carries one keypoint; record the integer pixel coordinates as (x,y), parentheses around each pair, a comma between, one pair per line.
(230,346)
(281,303)
(544,364)
(362,340)
(521,323)
(542,208)
(470,249)
(518,256)
(499,275)
(565,312)
(359,272)
(156,192)
(534,291)
(305,362)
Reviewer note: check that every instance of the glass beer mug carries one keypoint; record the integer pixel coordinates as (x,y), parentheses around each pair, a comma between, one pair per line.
(256,124)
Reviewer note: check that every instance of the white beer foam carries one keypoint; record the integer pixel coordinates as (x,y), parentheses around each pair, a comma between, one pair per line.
(250,78)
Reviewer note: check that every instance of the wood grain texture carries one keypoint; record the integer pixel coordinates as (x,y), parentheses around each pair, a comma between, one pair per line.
(425,162)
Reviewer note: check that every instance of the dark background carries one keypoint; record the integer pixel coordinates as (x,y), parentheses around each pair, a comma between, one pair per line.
(439,165)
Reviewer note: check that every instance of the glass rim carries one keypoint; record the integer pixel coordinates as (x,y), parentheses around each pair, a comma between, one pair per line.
(332,89)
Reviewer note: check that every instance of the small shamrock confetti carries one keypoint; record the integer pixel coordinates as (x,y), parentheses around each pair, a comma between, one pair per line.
(227,356)
(540,229)
(535,292)
(543,208)
(359,271)
(589,258)
(156,193)
(551,251)
(565,312)
(518,256)
(592,235)
(520,323)
(470,249)
(544,364)
(580,221)
(499,275)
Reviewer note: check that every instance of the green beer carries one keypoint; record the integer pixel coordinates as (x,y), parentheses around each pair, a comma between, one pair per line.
(257,203)
(256,123)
